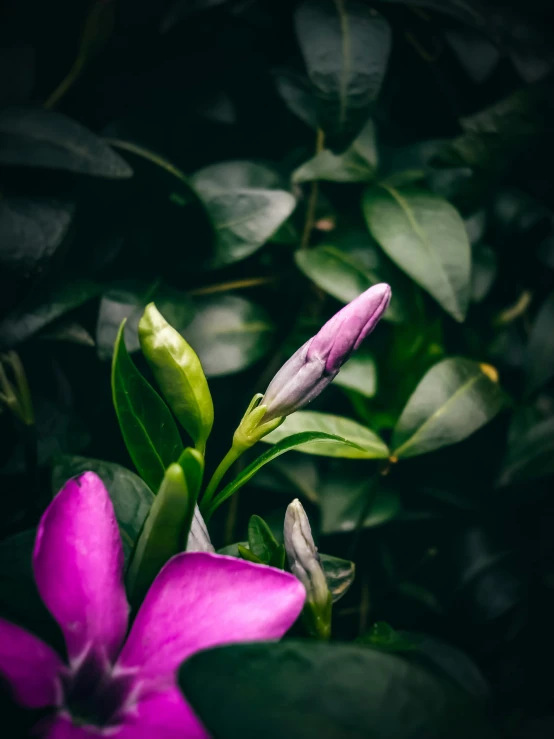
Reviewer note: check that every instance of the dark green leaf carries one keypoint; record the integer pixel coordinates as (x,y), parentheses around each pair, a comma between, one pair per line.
(329,691)
(291,442)
(357,164)
(298,94)
(359,374)
(383,636)
(454,399)
(263,545)
(340,574)
(530,455)
(244,207)
(130,496)
(33,137)
(365,444)
(228,333)
(483,271)
(147,426)
(539,357)
(43,307)
(426,238)
(346,47)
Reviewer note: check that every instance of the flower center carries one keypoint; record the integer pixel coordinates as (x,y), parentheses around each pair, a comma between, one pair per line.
(94,695)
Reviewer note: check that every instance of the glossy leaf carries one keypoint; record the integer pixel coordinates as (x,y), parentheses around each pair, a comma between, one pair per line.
(296,442)
(243,206)
(357,164)
(359,374)
(130,496)
(229,333)
(426,237)
(539,357)
(45,306)
(297,93)
(530,455)
(33,137)
(302,689)
(340,574)
(346,46)
(454,399)
(147,426)
(365,443)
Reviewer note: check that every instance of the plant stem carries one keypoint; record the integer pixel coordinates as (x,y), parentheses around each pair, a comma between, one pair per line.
(232,455)
(312,200)
(231,285)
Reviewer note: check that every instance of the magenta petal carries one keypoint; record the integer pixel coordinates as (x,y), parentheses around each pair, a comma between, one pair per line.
(200,600)
(62,727)
(164,716)
(78,563)
(30,666)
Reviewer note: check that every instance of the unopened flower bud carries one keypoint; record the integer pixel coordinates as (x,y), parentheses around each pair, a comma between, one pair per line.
(315,365)
(304,562)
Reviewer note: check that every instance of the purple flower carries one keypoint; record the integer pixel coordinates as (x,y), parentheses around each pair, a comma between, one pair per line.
(126,688)
(314,366)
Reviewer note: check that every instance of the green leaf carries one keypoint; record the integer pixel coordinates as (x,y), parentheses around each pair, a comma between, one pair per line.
(364,443)
(32,233)
(244,553)
(297,93)
(263,545)
(346,47)
(300,689)
(455,398)
(342,275)
(359,374)
(291,442)
(147,426)
(530,455)
(340,574)
(357,164)
(349,500)
(426,237)
(34,137)
(130,496)
(229,333)
(45,306)
(128,300)
(244,207)
(383,636)
(539,357)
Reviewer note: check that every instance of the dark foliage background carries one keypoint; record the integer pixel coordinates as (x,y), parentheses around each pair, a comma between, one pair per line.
(458,542)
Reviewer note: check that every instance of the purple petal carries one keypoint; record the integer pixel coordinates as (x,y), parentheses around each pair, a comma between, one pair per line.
(346,330)
(164,716)
(78,563)
(201,600)
(30,666)
(62,727)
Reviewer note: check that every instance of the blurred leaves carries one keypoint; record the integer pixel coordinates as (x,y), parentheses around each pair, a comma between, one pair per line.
(539,357)
(454,399)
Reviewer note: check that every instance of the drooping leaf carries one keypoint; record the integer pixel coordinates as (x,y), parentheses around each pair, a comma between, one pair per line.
(44,306)
(130,496)
(346,47)
(291,442)
(128,300)
(539,357)
(228,333)
(455,398)
(147,426)
(359,374)
(357,164)
(340,574)
(530,455)
(366,444)
(426,237)
(245,209)
(302,689)
(34,137)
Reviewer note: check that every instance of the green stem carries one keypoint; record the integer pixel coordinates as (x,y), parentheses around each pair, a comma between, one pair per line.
(232,455)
